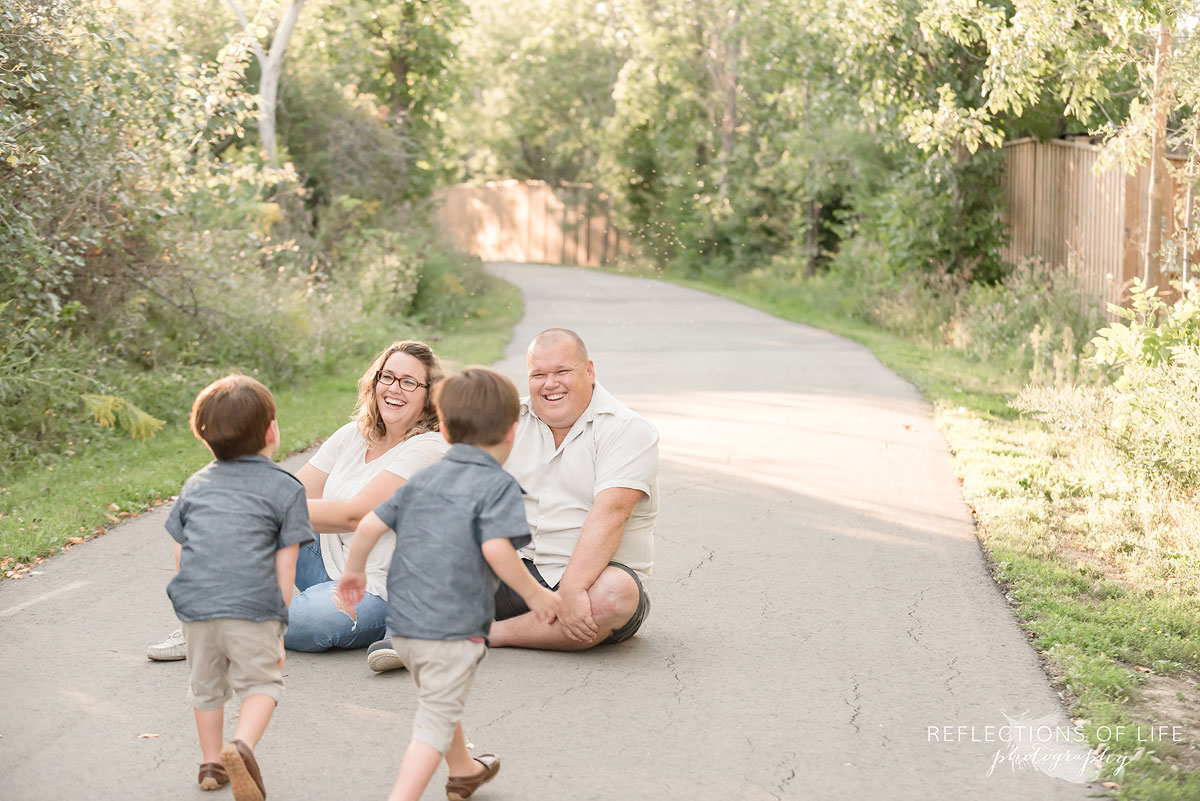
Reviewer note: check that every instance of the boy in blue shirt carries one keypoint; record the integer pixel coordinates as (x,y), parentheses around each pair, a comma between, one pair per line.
(238,525)
(458,525)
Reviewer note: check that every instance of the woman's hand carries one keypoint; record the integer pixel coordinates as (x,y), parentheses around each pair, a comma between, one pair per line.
(282,654)
(351,587)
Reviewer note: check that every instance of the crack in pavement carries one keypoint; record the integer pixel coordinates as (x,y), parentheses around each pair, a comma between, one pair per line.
(854,705)
(499,718)
(957,673)
(912,611)
(706,560)
(782,786)
(675,675)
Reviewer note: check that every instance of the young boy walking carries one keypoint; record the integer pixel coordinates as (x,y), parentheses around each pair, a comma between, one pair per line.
(458,524)
(237,525)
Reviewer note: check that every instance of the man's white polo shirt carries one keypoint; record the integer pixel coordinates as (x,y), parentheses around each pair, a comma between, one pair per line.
(609,446)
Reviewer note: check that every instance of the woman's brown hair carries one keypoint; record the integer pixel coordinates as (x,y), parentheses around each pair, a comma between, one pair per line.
(366,412)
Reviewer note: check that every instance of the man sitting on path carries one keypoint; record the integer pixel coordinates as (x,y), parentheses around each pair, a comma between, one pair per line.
(589,468)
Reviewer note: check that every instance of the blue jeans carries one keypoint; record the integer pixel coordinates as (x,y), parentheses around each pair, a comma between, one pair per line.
(315,623)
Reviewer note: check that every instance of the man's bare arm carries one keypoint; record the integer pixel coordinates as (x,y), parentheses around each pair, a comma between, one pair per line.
(599,539)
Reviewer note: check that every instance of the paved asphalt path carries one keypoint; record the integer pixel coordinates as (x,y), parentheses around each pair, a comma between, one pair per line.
(819,604)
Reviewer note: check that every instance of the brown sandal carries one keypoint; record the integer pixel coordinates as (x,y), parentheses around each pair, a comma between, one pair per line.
(212,776)
(243,772)
(459,788)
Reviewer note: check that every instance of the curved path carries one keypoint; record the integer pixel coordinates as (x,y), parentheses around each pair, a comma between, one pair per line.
(820,605)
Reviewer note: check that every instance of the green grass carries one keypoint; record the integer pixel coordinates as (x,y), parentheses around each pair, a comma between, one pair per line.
(1058,536)
(111,477)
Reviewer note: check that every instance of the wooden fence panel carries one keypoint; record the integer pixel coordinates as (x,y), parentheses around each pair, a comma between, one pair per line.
(1062,209)
(531,221)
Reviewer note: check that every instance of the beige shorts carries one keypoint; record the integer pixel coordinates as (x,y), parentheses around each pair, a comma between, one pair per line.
(227,652)
(443,671)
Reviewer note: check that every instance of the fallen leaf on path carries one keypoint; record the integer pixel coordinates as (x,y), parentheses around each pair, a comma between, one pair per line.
(114,508)
(74,540)
(146,736)
(1111,785)
(1142,669)
(113,518)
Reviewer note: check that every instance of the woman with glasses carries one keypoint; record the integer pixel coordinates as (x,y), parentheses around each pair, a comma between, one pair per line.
(392,434)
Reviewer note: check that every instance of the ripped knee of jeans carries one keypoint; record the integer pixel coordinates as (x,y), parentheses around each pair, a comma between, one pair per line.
(348,611)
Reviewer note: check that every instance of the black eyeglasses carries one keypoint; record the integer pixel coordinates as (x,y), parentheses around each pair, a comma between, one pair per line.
(407,384)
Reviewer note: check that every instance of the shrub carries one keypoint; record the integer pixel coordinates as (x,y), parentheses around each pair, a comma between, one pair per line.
(1036,316)
(1153,331)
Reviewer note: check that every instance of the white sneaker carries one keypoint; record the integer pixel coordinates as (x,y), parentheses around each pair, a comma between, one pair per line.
(382,657)
(171,649)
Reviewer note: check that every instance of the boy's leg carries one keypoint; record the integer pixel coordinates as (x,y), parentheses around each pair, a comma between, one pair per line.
(208,685)
(459,759)
(208,690)
(416,769)
(254,672)
(253,719)
(443,672)
(210,724)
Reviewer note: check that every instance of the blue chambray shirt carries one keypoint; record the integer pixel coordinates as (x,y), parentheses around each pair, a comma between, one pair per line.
(231,517)
(440,587)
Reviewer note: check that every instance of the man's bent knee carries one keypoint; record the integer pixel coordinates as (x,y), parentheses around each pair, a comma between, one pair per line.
(614,598)
(620,603)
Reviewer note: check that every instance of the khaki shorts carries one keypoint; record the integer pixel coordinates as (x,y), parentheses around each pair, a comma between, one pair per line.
(443,671)
(227,652)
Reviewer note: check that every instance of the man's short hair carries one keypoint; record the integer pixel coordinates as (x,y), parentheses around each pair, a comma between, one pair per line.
(232,415)
(477,407)
(554,334)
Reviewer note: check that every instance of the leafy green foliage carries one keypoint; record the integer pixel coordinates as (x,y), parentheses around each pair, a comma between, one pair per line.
(400,55)
(109,410)
(1150,416)
(146,248)
(1153,332)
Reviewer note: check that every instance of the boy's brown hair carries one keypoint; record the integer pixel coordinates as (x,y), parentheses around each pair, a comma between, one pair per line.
(477,407)
(232,415)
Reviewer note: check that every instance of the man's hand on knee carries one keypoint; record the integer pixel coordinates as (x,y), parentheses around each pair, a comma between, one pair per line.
(576,615)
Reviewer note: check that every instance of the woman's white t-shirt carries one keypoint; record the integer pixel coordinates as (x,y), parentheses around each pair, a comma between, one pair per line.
(343,458)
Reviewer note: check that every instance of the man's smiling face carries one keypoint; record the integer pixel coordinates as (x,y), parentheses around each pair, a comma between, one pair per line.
(560,382)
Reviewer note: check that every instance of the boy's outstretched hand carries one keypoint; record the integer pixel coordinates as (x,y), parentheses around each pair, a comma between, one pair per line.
(545,605)
(351,587)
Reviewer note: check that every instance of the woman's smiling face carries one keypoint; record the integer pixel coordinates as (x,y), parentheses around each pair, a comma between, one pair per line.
(400,410)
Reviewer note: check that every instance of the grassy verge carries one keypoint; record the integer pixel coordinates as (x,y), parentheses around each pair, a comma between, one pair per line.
(1118,624)
(43,511)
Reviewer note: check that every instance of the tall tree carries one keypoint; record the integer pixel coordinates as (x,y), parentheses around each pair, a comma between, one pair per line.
(276,27)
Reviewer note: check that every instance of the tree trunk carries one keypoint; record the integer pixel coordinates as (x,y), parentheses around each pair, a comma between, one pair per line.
(270,63)
(268,95)
(1188,204)
(1158,186)
(729,121)
(814,236)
